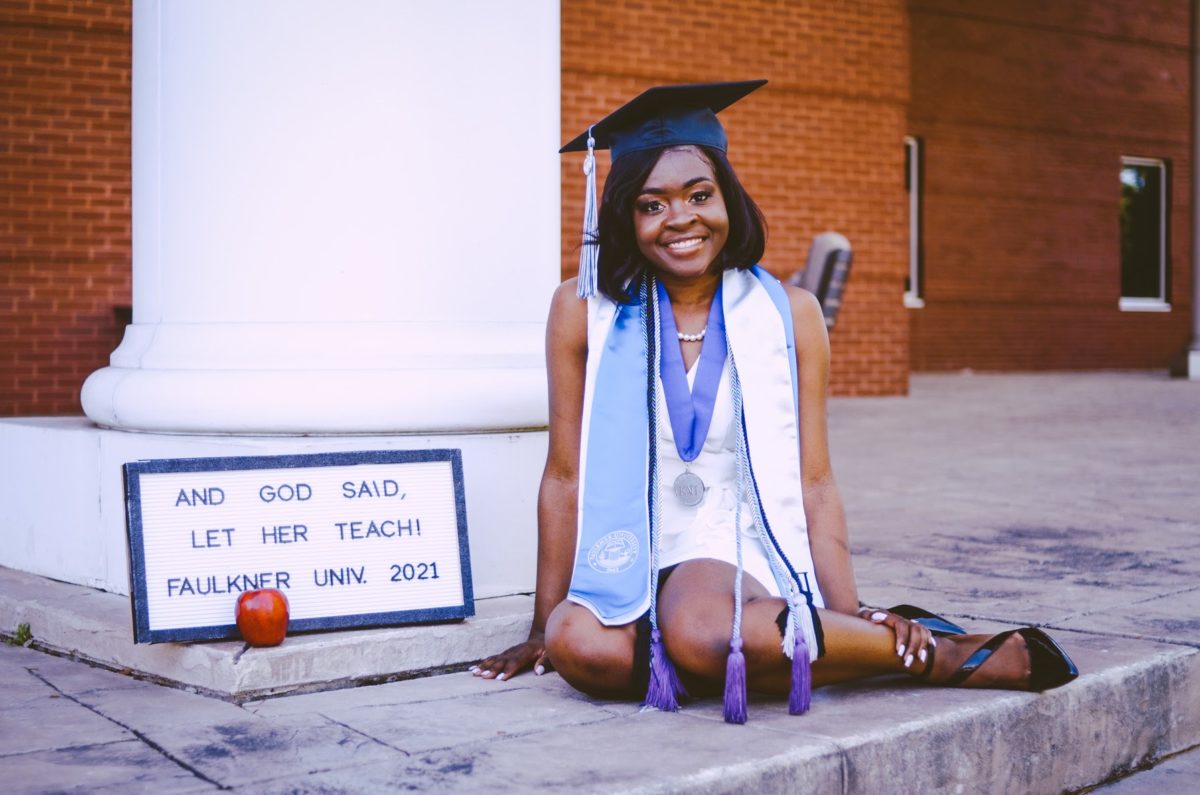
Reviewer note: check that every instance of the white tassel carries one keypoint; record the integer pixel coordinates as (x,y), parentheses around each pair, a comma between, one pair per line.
(589,252)
(789,635)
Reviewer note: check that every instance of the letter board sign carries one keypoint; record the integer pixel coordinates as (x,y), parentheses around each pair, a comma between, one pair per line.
(357,539)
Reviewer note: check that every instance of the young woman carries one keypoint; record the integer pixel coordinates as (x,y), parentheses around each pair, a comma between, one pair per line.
(688,449)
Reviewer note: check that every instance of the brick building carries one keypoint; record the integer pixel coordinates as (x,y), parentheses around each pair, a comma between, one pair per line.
(1021,121)
(1028,115)
(64,198)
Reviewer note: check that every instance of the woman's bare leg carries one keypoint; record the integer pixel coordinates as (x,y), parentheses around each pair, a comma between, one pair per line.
(592,657)
(696,618)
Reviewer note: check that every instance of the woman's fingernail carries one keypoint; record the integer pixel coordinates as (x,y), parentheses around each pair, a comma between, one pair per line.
(878,616)
(541,669)
(474,669)
(933,641)
(900,650)
(921,655)
(908,661)
(501,677)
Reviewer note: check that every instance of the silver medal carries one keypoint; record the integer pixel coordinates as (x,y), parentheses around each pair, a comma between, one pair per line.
(689,488)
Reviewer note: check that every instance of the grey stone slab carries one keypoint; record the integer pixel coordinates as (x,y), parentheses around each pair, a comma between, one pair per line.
(640,752)
(245,750)
(1174,618)
(343,657)
(75,676)
(553,683)
(421,726)
(96,626)
(957,593)
(1135,696)
(150,708)
(1179,775)
(121,767)
(429,689)
(1137,701)
(51,722)
(17,685)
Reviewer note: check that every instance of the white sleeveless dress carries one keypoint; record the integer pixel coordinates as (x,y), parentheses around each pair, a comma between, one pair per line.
(706,530)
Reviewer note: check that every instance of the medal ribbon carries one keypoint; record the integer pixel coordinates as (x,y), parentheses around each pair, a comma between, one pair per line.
(691,410)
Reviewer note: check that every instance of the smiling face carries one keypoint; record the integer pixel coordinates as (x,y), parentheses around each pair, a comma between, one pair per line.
(679,216)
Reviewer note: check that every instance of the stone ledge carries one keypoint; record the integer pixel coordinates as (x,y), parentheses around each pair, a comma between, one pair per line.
(95,626)
(1136,701)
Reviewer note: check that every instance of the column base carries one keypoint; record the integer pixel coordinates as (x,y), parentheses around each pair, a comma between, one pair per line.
(315,402)
(322,378)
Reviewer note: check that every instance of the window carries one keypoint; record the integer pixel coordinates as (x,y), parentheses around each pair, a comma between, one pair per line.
(1144,207)
(914,285)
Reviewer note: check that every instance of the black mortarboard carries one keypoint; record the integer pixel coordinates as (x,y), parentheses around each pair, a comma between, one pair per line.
(666,116)
(677,115)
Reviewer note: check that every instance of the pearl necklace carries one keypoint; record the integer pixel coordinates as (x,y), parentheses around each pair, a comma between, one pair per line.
(699,335)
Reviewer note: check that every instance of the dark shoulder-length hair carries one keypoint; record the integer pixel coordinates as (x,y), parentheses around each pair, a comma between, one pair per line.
(621,263)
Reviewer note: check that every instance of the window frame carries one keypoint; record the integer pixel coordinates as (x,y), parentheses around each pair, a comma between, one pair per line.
(1162,302)
(914,183)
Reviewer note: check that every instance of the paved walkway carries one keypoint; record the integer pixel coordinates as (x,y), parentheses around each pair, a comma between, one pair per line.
(1062,500)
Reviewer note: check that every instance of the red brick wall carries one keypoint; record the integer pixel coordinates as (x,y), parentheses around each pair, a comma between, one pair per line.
(64,197)
(1025,109)
(819,148)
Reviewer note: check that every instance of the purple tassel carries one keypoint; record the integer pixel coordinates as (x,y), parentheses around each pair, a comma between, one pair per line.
(800,698)
(735,684)
(665,688)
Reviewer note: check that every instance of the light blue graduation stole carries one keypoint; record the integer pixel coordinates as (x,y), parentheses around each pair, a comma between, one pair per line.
(613,558)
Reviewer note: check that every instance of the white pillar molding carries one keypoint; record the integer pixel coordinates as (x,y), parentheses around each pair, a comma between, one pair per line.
(345,218)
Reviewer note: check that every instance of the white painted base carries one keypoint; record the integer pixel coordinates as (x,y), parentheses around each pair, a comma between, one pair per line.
(1193,365)
(64,510)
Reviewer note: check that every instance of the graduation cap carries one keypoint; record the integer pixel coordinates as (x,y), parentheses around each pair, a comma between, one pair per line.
(665,116)
(661,116)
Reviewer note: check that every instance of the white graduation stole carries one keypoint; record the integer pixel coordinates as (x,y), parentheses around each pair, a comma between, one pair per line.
(613,556)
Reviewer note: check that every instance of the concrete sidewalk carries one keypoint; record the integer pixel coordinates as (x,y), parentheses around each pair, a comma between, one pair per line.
(1064,500)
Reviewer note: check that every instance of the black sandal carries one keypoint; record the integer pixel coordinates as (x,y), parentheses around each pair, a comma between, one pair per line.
(1049,665)
(931,621)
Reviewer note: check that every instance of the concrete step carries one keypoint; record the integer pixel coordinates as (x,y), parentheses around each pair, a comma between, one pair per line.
(95,626)
(1137,700)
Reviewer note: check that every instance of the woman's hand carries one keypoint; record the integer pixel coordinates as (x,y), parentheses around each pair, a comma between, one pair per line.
(512,661)
(913,640)
(566,361)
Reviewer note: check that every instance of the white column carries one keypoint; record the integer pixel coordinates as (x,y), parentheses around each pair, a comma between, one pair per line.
(345,217)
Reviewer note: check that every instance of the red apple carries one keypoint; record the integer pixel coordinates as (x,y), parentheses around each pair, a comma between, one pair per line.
(262,616)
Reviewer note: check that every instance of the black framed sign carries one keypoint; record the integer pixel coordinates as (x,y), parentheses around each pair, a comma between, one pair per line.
(355,539)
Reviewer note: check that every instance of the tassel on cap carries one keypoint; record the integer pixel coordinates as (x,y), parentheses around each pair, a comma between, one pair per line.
(665,689)
(589,252)
(735,684)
